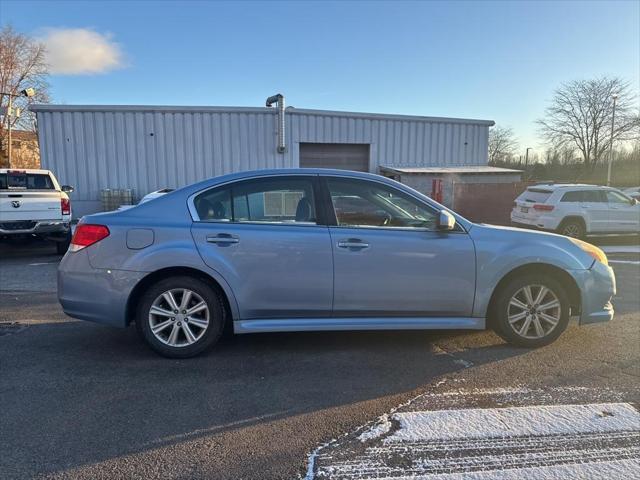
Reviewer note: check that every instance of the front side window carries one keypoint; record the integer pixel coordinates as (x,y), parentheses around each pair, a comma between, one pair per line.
(268,200)
(615,197)
(359,203)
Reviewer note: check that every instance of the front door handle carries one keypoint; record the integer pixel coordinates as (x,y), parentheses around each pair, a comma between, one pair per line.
(222,239)
(353,243)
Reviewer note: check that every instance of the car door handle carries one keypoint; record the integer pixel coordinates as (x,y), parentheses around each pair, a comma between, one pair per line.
(222,239)
(352,243)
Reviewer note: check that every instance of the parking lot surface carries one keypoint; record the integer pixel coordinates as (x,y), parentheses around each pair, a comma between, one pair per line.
(84,401)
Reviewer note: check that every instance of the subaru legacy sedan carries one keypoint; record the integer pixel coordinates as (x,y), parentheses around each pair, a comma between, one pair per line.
(313,249)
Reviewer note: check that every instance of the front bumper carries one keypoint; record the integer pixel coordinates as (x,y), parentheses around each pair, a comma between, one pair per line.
(597,286)
(35,227)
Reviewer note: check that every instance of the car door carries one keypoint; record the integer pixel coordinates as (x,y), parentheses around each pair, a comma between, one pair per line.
(389,259)
(595,210)
(265,238)
(624,213)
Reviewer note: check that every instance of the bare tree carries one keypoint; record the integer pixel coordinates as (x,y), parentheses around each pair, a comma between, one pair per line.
(22,65)
(502,144)
(580,117)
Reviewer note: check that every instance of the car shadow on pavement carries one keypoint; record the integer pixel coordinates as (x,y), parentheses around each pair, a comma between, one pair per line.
(77,394)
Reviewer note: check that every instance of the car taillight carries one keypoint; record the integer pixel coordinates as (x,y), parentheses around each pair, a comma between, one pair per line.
(65,205)
(87,234)
(541,207)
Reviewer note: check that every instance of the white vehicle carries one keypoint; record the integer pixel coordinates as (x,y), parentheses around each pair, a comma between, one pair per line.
(32,202)
(576,210)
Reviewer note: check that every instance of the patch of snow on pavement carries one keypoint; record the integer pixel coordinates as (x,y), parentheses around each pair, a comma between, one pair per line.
(380,428)
(514,421)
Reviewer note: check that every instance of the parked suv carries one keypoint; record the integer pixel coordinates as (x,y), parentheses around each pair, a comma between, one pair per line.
(32,202)
(576,210)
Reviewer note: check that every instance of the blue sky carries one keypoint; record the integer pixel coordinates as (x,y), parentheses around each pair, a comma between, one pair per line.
(489,60)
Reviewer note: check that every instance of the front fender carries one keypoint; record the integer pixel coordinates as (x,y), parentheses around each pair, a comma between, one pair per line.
(500,250)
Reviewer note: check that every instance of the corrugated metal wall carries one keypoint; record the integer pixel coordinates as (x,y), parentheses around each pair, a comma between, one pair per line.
(148,148)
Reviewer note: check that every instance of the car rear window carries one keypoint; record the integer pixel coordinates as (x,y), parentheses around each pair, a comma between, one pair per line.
(25,181)
(535,195)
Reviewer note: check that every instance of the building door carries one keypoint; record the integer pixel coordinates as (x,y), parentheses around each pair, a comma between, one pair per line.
(344,156)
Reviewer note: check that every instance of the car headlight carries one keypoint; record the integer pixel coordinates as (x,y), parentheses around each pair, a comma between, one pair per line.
(592,250)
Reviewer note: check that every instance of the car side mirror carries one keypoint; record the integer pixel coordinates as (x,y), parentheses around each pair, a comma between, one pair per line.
(446,221)
(634,201)
(67,188)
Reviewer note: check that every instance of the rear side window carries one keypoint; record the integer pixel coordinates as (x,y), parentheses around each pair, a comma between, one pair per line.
(25,181)
(269,200)
(593,196)
(572,196)
(535,195)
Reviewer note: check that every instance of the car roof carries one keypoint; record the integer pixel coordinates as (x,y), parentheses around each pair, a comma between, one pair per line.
(24,170)
(569,186)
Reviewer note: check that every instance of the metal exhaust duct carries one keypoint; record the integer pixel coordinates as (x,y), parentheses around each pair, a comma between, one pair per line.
(279,99)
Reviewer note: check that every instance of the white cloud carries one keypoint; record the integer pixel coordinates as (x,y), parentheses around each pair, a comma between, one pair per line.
(78,51)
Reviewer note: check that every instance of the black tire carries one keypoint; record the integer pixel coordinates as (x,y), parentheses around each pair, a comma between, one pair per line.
(500,310)
(572,228)
(212,332)
(63,245)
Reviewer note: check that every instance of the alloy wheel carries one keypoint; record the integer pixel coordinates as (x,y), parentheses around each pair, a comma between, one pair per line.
(534,311)
(571,230)
(179,317)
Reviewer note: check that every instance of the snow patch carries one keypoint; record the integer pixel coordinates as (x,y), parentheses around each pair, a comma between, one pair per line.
(514,421)
(382,426)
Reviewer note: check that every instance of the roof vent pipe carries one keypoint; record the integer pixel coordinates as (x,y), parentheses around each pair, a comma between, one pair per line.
(279,99)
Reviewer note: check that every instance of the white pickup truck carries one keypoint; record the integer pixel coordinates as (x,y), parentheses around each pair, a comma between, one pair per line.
(32,202)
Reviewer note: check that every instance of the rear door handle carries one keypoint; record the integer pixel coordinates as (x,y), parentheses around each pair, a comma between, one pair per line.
(222,239)
(353,243)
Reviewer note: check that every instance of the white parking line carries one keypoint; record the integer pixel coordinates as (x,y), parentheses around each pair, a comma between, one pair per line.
(37,264)
(621,249)
(599,440)
(626,262)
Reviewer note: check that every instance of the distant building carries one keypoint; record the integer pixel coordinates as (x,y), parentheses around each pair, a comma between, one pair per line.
(146,148)
(24,152)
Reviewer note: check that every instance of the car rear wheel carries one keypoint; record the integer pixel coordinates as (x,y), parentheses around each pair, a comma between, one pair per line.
(572,228)
(531,311)
(180,317)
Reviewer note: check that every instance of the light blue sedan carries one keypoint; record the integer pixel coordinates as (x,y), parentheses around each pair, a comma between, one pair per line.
(305,250)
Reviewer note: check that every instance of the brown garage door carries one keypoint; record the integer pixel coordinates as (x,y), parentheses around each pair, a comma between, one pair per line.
(345,156)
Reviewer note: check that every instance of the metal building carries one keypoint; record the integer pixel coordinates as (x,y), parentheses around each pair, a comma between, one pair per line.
(145,148)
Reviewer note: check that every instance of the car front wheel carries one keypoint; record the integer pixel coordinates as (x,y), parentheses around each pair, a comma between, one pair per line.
(531,311)
(179,317)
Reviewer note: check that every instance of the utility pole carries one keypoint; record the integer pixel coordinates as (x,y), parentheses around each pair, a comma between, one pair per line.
(613,119)
(526,157)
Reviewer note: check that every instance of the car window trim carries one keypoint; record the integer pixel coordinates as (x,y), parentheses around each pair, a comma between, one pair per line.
(313,179)
(326,200)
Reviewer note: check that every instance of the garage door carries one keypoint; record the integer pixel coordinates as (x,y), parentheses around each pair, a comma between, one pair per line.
(345,156)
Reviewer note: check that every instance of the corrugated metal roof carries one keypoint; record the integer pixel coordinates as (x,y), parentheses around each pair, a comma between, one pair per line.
(473,169)
(218,109)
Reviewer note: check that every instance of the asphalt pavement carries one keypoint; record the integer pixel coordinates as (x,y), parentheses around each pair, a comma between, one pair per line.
(79,400)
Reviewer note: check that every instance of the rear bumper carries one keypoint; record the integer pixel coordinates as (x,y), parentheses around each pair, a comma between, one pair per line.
(597,286)
(96,295)
(36,227)
(543,222)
